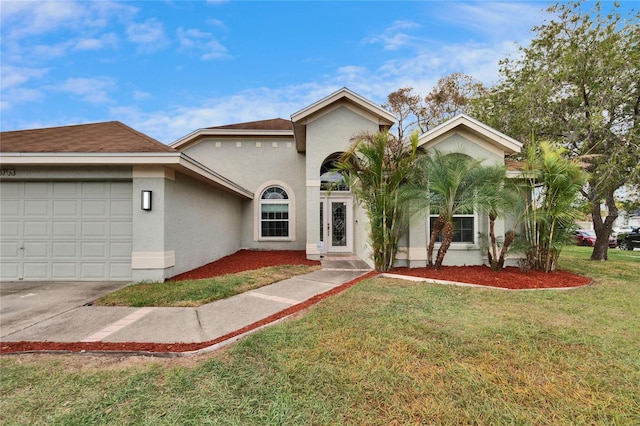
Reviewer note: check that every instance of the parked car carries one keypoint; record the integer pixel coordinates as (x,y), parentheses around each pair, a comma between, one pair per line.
(630,240)
(587,237)
(623,230)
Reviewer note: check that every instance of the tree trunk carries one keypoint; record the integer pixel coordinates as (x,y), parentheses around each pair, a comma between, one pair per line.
(438,224)
(508,239)
(600,250)
(447,237)
(603,228)
(492,236)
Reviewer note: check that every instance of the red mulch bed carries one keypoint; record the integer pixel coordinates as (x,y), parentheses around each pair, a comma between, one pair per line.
(244,260)
(511,277)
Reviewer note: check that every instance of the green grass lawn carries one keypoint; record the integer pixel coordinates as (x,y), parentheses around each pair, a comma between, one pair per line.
(383,352)
(202,291)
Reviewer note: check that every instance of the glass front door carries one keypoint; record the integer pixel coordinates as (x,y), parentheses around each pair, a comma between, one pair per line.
(336,217)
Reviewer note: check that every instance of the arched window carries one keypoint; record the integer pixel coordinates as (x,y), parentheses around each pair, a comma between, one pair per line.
(330,179)
(274,213)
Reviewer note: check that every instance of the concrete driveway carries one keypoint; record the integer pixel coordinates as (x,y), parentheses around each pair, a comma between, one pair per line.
(23,304)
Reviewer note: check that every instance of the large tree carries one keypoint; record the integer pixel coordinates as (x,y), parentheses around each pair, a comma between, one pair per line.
(449,97)
(578,83)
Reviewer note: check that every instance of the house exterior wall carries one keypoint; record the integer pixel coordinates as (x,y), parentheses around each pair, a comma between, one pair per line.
(67,173)
(253,163)
(150,260)
(327,134)
(413,253)
(202,224)
(190,224)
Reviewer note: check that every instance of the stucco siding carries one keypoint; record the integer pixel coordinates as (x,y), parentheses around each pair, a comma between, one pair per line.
(328,134)
(473,147)
(414,252)
(202,223)
(252,162)
(332,133)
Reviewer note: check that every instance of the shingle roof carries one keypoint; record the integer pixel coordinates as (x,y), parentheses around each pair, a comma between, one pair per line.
(271,124)
(106,137)
(514,165)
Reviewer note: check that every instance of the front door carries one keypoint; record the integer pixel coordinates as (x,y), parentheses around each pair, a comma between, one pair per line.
(337,218)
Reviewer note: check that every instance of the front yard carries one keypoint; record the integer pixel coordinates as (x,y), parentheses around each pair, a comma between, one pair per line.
(383,352)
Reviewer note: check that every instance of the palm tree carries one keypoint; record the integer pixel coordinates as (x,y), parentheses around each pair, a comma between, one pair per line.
(376,166)
(506,200)
(452,184)
(553,183)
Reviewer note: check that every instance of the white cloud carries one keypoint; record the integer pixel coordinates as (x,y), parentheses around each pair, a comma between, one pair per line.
(214,50)
(149,35)
(11,81)
(97,43)
(32,18)
(395,36)
(16,76)
(139,95)
(19,95)
(172,123)
(189,38)
(194,40)
(217,23)
(92,90)
(493,19)
(37,31)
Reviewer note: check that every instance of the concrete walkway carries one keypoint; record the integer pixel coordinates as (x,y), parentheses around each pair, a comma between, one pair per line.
(189,325)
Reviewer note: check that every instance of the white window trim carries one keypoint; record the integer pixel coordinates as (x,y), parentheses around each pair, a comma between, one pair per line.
(257,212)
(457,245)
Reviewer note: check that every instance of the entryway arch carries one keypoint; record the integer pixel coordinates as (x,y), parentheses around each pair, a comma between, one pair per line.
(336,208)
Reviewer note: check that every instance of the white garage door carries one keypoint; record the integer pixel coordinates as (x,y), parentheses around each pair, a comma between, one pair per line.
(65,230)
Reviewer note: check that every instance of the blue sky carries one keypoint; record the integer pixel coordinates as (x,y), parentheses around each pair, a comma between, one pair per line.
(167,68)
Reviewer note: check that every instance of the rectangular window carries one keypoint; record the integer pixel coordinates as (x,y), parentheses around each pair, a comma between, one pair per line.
(463,229)
(275,220)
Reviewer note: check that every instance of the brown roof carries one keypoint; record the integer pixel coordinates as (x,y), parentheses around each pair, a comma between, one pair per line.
(107,137)
(514,165)
(272,124)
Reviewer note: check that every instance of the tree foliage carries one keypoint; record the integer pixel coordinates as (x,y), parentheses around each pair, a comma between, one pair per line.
(451,184)
(552,184)
(376,167)
(449,97)
(578,83)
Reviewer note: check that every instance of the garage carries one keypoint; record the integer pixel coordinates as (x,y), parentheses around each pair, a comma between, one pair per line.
(104,202)
(66,230)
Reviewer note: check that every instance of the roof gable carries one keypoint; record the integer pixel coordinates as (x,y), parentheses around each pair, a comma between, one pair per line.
(271,124)
(275,127)
(106,137)
(343,97)
(463,123)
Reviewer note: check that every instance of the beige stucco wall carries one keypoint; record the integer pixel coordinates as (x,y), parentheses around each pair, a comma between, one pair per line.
(253,163)
(202,224)
(190,224)
(328,133)
(414,250)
